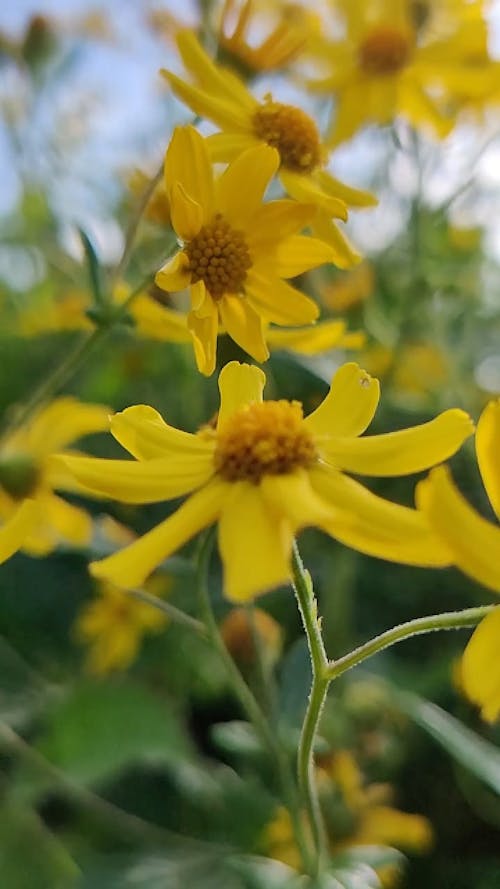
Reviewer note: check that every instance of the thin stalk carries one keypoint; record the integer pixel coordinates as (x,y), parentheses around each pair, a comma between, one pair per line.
(175,614)
(133,227)
(451,620)
(251,706)
(319,662)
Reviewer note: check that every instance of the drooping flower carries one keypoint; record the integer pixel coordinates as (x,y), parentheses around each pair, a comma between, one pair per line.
(474,543)
(36,519)
(218,95)
(264,473)
(237,250)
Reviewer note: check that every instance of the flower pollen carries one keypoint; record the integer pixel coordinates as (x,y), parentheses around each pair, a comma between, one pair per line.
(292,132)
(264,439)
(385,50)
(219,256)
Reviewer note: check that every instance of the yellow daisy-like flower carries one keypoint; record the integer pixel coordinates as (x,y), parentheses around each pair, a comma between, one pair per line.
(217,94)
(237,250)
(474,543)
(35,518)
(113,626)
(282,44)
(378,71)
(264,473)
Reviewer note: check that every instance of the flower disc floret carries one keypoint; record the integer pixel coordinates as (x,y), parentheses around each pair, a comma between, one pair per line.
(385,50)
(292,132)
(219,256)
(264,439)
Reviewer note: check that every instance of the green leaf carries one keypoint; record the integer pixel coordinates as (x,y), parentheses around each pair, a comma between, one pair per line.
(94,269)
(236,737)
(103,727)
(465,746)
(30,856)
(374,856)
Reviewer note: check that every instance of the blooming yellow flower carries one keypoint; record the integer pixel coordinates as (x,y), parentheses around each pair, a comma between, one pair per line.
(264,473)
(217,94)
(114,624)
(35,518)
(282,44)
(378,71)
(474,543)
(236,250)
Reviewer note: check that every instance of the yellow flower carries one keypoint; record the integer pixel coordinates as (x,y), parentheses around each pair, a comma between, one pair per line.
(280,46)
(220,96)
(35,518)
(114,624)
(236,249)
(378,71)
(264,473)
(474,543)
(351,289)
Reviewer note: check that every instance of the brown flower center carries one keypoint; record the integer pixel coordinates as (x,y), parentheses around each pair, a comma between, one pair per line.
(292,132)
(264,439)
(385,50)
(219,256)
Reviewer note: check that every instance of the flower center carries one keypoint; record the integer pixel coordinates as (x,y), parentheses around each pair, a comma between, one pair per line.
(385,51)
(19,476)
(264,439)
(292,132)
(219,256)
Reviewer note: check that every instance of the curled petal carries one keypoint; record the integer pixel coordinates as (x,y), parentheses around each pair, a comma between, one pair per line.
(488,451)
(349,406)
(142,431)
(186,214)
(244,325)
(239,384)
(204,330)
(174,275)
(187,163)
(480,673)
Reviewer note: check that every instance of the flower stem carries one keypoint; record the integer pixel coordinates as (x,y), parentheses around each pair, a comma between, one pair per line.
(451,620)
(319,662)
(252,707)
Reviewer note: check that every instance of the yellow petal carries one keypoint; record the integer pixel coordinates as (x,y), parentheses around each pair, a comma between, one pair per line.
(292,495)
(239,385)
(402,452)
(298,254)
(150,481)
(277,220)
(244,325)
(488,451)
(187,162)
(70,523)
(255,544)
(474,542)
(353,197)
(143,432)
(241,188)
(204,334)
(173,276)
(211,76)
(277,301)
(63,422)
(310,340)
(186,214)
(480,673)
(344,255)
(15,531)
(389,827)
(225,147)
(306,189)
(131,566)
(223,111)
(375,526)
(349,406)
(158,322)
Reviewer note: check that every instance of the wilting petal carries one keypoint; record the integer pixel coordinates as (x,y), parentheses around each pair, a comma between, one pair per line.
(291,495)
(488,451)
(299,254)
(186,214)
(277,301)
(142,431)
(174,275)
(131,566)
(15,531)
(204,333)
(69,523)
(148,482)
(244,325)
(239,385)
(62,422)
(255,544)
(375,526)
(304,188)
(187,163)
(480,672)
(349,406)
(241,188)
(403,452)
(474,542)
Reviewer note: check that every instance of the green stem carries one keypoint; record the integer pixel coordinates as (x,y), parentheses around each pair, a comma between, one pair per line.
(451,620)
(251,706)
(320,681)
(175,614)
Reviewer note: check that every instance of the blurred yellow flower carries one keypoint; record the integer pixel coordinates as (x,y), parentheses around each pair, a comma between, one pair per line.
(237,250)
(475,546)
(217,94)
(264,473)
(239,630)
(157,208)
(281,45)
(350,289)
(113,625)
(35,518)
